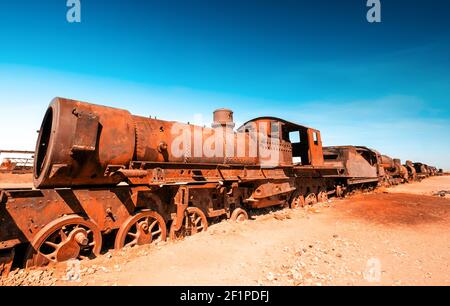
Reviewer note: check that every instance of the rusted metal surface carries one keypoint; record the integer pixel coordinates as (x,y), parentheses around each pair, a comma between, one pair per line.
(310,199)
(6,261)
(78,141)
(85,144)
(16,152)
(363,165)
(294,142)
(25,212)
(322,196)
(395,172)
(297,200)
(223,118)
(144,227)
(433,170)
(239,215)
(18,162)
(412,174)
(194,222)
(421,170)
(65,238)
(100,170)
(359,164)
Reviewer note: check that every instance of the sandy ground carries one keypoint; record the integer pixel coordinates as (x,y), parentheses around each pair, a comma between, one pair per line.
(428,186)
(398,236)
(10,180)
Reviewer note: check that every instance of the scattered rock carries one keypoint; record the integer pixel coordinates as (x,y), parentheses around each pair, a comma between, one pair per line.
(313,209)
(280,216)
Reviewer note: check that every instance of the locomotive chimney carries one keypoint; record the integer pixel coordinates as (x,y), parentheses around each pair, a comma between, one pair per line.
(223,118)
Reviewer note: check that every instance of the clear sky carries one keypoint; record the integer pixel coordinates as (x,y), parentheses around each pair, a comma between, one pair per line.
(318,63)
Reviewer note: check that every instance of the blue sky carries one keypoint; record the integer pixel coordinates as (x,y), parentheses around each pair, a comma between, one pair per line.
(318,63)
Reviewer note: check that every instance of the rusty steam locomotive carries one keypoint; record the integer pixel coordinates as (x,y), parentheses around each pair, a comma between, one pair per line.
(102,171)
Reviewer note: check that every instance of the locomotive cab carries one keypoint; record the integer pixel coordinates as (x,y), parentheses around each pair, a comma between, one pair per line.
(306,146)
(294,144)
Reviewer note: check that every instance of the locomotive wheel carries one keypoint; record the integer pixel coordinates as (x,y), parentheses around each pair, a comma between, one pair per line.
(239,215)
(69,237)
(144,227)
(194,222)
(298,200)
(310,199)
(339,192)
(322,197)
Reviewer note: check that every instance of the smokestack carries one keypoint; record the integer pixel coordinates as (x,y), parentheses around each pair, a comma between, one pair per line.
(223,118)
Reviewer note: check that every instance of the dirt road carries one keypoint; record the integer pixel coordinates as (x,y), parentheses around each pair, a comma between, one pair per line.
(395,237)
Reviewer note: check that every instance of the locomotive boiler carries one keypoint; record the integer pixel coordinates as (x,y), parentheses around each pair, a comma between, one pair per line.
(396,173)
(86,144)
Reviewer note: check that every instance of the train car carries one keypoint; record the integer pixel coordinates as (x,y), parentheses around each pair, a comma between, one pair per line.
(103,171)
(433,170)
(395,172)
(412,174)
(421,170)
(361,166)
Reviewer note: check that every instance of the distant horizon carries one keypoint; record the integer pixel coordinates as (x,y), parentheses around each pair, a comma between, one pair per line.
(320,64)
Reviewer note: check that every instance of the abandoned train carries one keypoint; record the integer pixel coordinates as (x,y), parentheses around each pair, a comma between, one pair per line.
(103,171)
